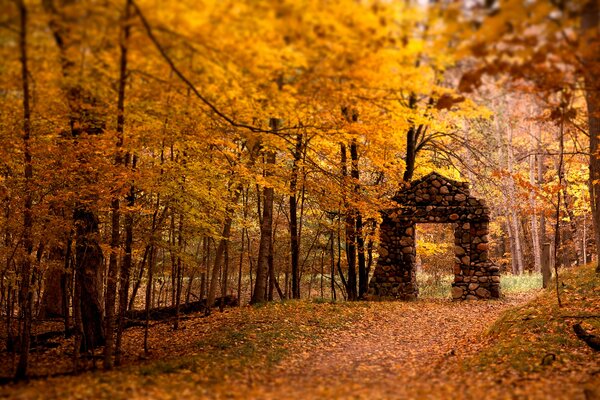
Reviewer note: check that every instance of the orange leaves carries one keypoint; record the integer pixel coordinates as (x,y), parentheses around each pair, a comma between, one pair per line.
(447,101)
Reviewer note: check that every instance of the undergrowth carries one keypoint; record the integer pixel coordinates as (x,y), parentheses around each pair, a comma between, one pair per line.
(540,335)
(259,337)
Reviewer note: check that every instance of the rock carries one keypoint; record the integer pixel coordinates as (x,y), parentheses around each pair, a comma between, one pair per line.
(466,260)
(482,246)
(444,190)
(473,286)
(436,183)
(407,250)
(496,279)
(454,217)
(483,293)
(459,251)
(457,292)
(471,297)
(406,241)
(460,197)
(495,292)
(383,252)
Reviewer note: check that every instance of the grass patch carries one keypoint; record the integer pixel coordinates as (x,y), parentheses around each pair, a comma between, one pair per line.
(434,286)
(258,337)
(520,283)
(438,286)
(524,337)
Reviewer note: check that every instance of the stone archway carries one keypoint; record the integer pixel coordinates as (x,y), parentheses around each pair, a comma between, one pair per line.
(436,199)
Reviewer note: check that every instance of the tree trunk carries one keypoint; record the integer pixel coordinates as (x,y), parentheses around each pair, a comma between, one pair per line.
(266,228)
(535,234)
(25,293)
(546,265)
(350,226)
(363,275)
(125,272)
(411,144)
(85,118)
(214,278)
(294,239)
(88,276)
(590,23)
(52,297)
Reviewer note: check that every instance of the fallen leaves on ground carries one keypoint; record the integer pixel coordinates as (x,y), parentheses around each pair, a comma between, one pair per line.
(298,349)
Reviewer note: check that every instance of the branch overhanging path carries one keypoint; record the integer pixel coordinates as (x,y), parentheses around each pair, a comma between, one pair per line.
(212,107)
(163,53)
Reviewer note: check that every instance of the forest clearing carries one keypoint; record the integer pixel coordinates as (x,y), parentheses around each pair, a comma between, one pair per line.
(299,199)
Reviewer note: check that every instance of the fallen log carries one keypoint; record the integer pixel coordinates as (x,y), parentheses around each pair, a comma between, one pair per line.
(132,318)
(591,340)
(160,313)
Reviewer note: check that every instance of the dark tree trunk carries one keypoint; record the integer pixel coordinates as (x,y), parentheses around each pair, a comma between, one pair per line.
(363,275)
(125,273)
(294,239)
(88,276)
(411,144)
(219,255)
(590,24)
(25,293)
(410,155)
(85,118)
(266,229)
(52,297)
(350,224)
(179,272)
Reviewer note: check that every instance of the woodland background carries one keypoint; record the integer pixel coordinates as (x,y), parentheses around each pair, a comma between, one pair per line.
(168,154)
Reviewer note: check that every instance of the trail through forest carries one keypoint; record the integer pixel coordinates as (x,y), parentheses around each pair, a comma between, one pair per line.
(399,350)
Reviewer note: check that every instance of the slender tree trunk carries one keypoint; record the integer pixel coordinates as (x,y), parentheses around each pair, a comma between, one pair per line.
(219,255)
(411,144)
(115,243)
(363,275)
(590,24)
(243,242)
(535,234)
(149,290)
(560,173)
(25,293)
(85,118)
(125,272)
(294,239)
(514,218)
(350,225)
(332,261)
(179,272)
(266,229)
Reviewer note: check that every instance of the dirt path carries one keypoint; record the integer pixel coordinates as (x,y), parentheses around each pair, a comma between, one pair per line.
(401,350)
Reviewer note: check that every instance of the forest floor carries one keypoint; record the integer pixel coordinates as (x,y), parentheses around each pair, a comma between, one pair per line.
(520,347)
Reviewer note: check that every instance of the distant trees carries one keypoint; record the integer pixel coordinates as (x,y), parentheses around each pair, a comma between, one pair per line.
(556,59)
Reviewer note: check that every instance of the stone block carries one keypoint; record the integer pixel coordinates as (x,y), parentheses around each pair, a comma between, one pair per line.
(460,197)
(482,246)
(459,251)
(457,292)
